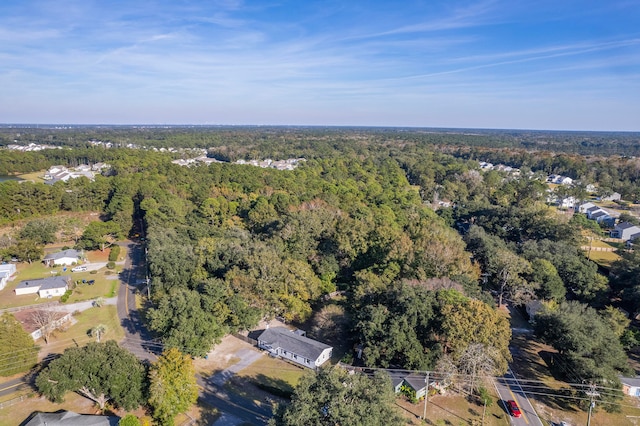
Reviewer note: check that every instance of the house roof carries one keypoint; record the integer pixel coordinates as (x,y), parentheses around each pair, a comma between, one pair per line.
(62,254)
(625,225)
(280,337)
(45,283)
(29,324)
(416,381)
(630,381)
(599,214)
(69,418)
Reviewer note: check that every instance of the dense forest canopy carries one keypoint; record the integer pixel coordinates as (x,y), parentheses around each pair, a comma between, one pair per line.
(403,221)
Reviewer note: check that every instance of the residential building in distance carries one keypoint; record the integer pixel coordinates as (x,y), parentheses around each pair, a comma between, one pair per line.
(626,231)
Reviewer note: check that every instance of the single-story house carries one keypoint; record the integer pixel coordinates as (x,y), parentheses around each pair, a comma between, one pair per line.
(626,231)
(594,211)
(417,383)
(6,271)
(69,418)
(45,287)
(30,325)
(582,208)
(612,197)
(65,257)
(294,346)
(631,385)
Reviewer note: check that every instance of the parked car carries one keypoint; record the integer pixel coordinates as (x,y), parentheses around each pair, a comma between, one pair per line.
(513,408)
(79,269)
(91,282)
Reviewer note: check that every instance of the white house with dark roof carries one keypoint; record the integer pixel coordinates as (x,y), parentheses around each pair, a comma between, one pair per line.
(582,208)
(45,287)
(626,231)
(66,257)
(294,346)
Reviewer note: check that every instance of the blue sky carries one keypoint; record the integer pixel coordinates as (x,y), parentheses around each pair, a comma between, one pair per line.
(544,64)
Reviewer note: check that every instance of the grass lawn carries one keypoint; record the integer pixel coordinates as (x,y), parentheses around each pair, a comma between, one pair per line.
(78,334)
(33,176)
(453,409)
(604,258)
(274,372)
(17,413)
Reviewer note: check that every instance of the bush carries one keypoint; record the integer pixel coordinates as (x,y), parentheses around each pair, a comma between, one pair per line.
(65,296)
(114,253)
(111,265)
(93,272)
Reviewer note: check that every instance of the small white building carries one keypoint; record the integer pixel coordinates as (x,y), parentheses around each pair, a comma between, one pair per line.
(66,257)
(294,346)
(45,287)
(631,386)
(7,270)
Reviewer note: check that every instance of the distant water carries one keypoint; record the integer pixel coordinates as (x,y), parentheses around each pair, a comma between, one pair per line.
(3,178)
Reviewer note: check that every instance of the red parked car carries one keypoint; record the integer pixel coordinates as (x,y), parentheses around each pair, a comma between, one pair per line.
(513,408)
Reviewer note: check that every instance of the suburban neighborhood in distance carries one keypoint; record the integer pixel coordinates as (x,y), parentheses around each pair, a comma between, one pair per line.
(457,279)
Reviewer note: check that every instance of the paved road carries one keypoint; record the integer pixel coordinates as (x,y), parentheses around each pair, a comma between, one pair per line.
(12,386)
(509,388)
(137,338)
(235,406)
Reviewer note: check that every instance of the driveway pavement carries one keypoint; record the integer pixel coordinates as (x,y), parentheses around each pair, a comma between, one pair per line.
(247,357)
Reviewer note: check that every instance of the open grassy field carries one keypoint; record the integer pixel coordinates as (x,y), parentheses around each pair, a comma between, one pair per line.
(79,333)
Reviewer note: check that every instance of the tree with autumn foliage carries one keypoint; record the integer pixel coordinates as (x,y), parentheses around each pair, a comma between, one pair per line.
(172,386)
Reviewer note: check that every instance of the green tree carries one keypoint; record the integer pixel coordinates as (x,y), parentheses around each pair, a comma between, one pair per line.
(42,231)
(335,397)
(587,348)
(18,353)
(129,420)
(102,372)
(172,388)
(546,281)
(99,235)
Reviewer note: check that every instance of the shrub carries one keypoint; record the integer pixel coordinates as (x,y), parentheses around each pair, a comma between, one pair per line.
(111,265)
(65,296)
(114,253)
(93,272)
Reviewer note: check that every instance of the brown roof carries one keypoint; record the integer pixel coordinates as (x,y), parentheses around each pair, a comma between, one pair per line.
(26,319)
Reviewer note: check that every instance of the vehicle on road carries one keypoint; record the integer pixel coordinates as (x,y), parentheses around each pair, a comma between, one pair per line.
(79,269)
(91,282)
(513,408)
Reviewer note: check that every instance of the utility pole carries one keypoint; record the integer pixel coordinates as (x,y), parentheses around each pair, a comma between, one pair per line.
(426,396)
(592,393)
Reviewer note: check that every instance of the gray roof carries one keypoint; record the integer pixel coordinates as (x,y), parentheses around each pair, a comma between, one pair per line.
(625,225)
(45,283)
(280,337)
(69,418)
(630,381)
(62,254)
(416,381)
